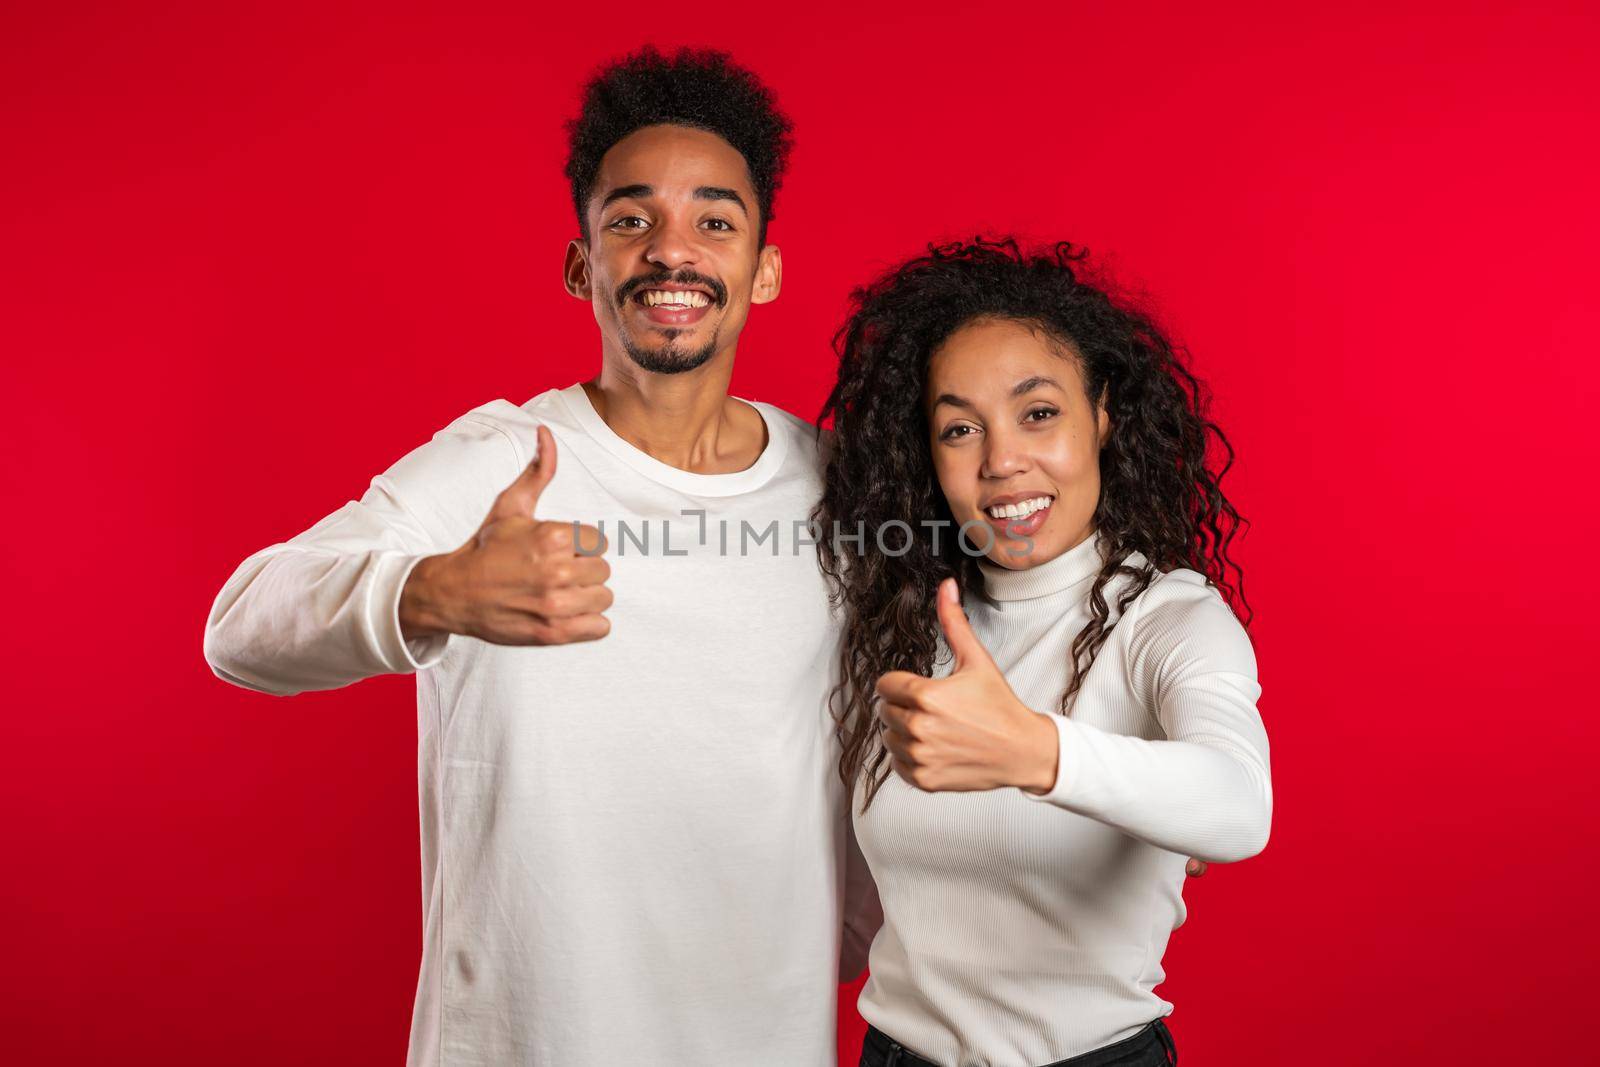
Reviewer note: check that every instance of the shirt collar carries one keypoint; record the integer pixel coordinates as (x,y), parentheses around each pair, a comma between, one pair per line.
(1076,564)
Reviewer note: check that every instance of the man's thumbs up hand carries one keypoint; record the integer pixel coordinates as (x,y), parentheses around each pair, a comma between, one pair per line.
(522,496)
(518,580)
(967,731)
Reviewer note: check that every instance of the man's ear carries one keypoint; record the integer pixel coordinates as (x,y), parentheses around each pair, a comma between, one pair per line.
(576,270)
(769,275)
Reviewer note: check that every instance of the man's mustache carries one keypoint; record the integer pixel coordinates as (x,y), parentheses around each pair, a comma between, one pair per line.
(719,292)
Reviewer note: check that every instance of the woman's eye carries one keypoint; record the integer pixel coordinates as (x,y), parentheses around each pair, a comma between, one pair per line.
(956,431)
(1040,414)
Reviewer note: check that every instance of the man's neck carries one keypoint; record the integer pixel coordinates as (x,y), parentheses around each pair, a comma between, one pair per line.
(684,420)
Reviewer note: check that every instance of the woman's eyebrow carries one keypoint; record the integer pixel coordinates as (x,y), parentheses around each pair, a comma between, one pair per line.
(1028,385)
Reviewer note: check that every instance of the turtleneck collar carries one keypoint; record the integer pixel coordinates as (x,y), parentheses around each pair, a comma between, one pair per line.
(1074,565)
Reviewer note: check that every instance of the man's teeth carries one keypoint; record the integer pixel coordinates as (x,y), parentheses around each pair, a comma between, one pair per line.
(1019,511)
(678,297)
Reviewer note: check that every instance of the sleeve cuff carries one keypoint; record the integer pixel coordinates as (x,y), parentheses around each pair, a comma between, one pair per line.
(1068,763)
(402,656)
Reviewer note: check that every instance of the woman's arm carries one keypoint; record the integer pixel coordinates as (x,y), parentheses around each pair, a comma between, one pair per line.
(1205,791)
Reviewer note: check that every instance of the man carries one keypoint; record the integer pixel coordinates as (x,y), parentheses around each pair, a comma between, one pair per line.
(632,833)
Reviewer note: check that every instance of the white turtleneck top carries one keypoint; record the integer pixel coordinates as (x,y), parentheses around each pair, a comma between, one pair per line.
(1020,929)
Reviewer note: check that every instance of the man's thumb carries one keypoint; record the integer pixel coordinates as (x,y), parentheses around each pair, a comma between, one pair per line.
(522,495)
(969,651)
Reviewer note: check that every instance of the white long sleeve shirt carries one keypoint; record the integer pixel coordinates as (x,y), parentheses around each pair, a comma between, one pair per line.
(631,848)
(1024,930)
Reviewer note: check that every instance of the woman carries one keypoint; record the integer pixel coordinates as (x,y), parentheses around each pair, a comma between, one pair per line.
(1029,774)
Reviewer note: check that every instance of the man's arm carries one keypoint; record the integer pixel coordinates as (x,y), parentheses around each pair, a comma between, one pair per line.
(372,589)
(321,610)
(863,912)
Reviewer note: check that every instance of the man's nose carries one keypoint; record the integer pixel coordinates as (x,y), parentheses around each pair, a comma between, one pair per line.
(672,245)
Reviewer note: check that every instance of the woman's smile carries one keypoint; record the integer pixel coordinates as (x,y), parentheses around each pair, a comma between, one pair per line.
(1018,515)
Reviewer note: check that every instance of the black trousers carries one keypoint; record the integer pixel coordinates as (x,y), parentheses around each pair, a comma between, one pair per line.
(1150,1047)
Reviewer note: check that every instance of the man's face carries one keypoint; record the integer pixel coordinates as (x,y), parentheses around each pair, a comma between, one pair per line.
(672,262)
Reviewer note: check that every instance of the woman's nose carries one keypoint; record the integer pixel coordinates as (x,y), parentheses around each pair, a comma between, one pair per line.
(1004,456)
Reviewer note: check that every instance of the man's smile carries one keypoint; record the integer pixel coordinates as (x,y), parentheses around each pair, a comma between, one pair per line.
(674,304)
(673,298)
(675,308)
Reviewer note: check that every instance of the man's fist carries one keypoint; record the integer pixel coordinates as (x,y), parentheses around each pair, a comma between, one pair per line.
(967,731)
(518,580)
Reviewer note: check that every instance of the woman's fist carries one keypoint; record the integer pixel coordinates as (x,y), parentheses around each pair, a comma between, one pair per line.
(966,731)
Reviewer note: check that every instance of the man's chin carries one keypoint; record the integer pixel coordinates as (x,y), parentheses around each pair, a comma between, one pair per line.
(671,356)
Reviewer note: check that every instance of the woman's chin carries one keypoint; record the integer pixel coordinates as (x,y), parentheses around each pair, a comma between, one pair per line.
(1020,554)
(1019,545)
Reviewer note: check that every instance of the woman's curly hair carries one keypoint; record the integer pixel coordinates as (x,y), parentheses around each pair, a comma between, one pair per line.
(1160,476)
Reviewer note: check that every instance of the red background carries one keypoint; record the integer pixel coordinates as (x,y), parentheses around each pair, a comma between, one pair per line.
(253,257)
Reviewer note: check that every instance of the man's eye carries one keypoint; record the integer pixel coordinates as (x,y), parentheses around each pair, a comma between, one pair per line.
(628,222)
(719,224)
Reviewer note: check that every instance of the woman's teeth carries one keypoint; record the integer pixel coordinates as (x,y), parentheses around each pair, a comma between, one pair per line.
(1019,511)
(681,298)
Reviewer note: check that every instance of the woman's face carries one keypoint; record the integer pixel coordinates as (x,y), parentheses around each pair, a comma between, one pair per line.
(1015,440)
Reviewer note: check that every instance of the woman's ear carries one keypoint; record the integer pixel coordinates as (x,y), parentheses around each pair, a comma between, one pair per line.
(1103,421)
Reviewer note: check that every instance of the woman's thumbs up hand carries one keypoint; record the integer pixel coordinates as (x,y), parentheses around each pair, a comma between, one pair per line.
(966,731)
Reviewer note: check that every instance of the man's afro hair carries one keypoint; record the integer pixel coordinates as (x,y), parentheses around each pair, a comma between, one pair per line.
(700,88)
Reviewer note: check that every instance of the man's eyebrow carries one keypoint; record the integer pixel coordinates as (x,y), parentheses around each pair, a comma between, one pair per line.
(627,192)
(717,192)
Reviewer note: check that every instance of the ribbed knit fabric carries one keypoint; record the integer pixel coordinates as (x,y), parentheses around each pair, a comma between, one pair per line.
(1020,929)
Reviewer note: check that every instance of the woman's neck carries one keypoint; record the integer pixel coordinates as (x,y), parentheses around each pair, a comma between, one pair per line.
(1077,564)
